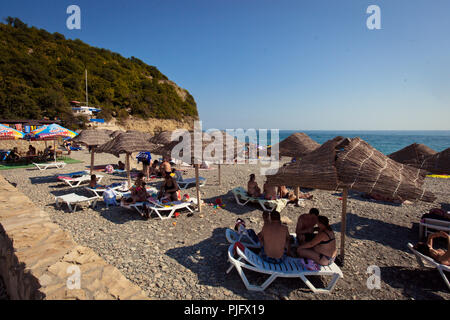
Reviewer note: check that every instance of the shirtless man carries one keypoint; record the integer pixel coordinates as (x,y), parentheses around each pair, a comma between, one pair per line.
(270,191)
(441,256)
(274,238)
(306,224)
(165,166)
(252,187)
(284,192)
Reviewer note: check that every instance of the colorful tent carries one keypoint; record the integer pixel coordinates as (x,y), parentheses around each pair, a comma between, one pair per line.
(51,132)
(8,133)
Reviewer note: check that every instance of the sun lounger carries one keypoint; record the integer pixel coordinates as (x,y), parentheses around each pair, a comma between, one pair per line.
(242,198)
(74,174)
(99,190)
(421,258)
(73,200)
(170,207)
(186,183)
(289,268)
(45,166)
(427,226)
(241,236)
(75,182)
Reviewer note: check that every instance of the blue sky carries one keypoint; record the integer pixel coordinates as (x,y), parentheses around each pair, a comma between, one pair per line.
(303,65)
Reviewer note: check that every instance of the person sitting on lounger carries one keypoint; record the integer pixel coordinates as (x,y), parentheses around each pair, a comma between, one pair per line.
(93,183)
(439,255)
(252,187)
(270,191)
(31,151)
(138,193)
(13,155)
(305,225)
(121,165)
(155,168)
(275,239)
(322,248)
(165,167)
(169,188)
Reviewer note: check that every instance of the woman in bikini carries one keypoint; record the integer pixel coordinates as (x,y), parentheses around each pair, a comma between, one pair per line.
(322,248)
(170,187)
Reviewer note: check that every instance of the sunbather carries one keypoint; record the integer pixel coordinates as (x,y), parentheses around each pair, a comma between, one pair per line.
(252,187)
(305,225)
(13,155)
(322,248)
(169,188)
(31,151)
(93,183)
(275,239)
(439,255)
(138,194)
(270,191)
(121,165)
(266,219)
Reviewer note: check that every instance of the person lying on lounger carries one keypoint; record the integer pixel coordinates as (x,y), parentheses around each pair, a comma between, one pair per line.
(275,240)
(252,187)
(322,248)
(305,225)
(439,255)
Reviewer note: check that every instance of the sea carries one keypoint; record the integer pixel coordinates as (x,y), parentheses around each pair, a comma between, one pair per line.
(386,142)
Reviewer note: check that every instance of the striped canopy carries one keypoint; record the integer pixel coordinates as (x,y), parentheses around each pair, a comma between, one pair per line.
(52,131)
(8,133)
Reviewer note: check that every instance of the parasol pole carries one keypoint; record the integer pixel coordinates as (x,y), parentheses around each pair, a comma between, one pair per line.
(198,188)
(92,159)
(54,149)
(220,175)
(297,191)
(343,222)
(127,164)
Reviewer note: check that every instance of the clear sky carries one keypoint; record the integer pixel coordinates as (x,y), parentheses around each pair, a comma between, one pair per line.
(286,64)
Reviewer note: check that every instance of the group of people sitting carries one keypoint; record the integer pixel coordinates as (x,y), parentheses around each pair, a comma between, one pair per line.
(15,155)
(272,192)
(316,239)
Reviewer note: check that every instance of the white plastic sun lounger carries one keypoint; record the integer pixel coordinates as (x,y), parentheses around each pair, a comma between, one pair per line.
(99,191)
(289,268)
(241,236)
(73,200)
(45,166)
(242,198)
(75,182)
(421,258)
(428,226)
(170,207)
(186,183)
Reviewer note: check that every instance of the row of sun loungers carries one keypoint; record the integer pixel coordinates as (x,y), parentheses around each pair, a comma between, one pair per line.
(242,198)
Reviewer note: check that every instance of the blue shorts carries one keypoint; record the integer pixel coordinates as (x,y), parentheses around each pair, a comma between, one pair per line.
(269,259)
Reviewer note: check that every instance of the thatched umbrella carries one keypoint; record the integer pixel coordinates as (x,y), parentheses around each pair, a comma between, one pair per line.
(438,163)
(297,145)
(127,142)
(116,133)
(413,155)
(164,137)
(92,139)
(343,163)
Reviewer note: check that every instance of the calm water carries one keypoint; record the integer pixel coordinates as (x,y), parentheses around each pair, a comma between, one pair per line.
(385,141)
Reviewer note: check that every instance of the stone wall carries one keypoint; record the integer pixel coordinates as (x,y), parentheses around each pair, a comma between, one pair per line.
(38,259)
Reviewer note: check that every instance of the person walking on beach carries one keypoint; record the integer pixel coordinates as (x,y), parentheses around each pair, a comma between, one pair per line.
(322,248)
(252,187)
(305,225)
(275,239)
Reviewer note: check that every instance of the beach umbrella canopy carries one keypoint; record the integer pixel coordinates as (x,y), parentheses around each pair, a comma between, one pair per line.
(438,163)
(8,133)
(164,138)
(52,131)
(116,133)
(353,164)
(92,138)
(297,145)
(127,142)
(413,155)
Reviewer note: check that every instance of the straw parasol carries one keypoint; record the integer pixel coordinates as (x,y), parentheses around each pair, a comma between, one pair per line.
(343,163)
(164,137)
(413,155)
(438,163)
(127,142)
(92,138)
(297,145)
(116,133)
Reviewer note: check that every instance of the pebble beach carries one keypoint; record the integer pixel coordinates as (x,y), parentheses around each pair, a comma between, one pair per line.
(186,257)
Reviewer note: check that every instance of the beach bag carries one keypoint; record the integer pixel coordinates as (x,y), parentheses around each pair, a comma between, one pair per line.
(109,197)
(109,169)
